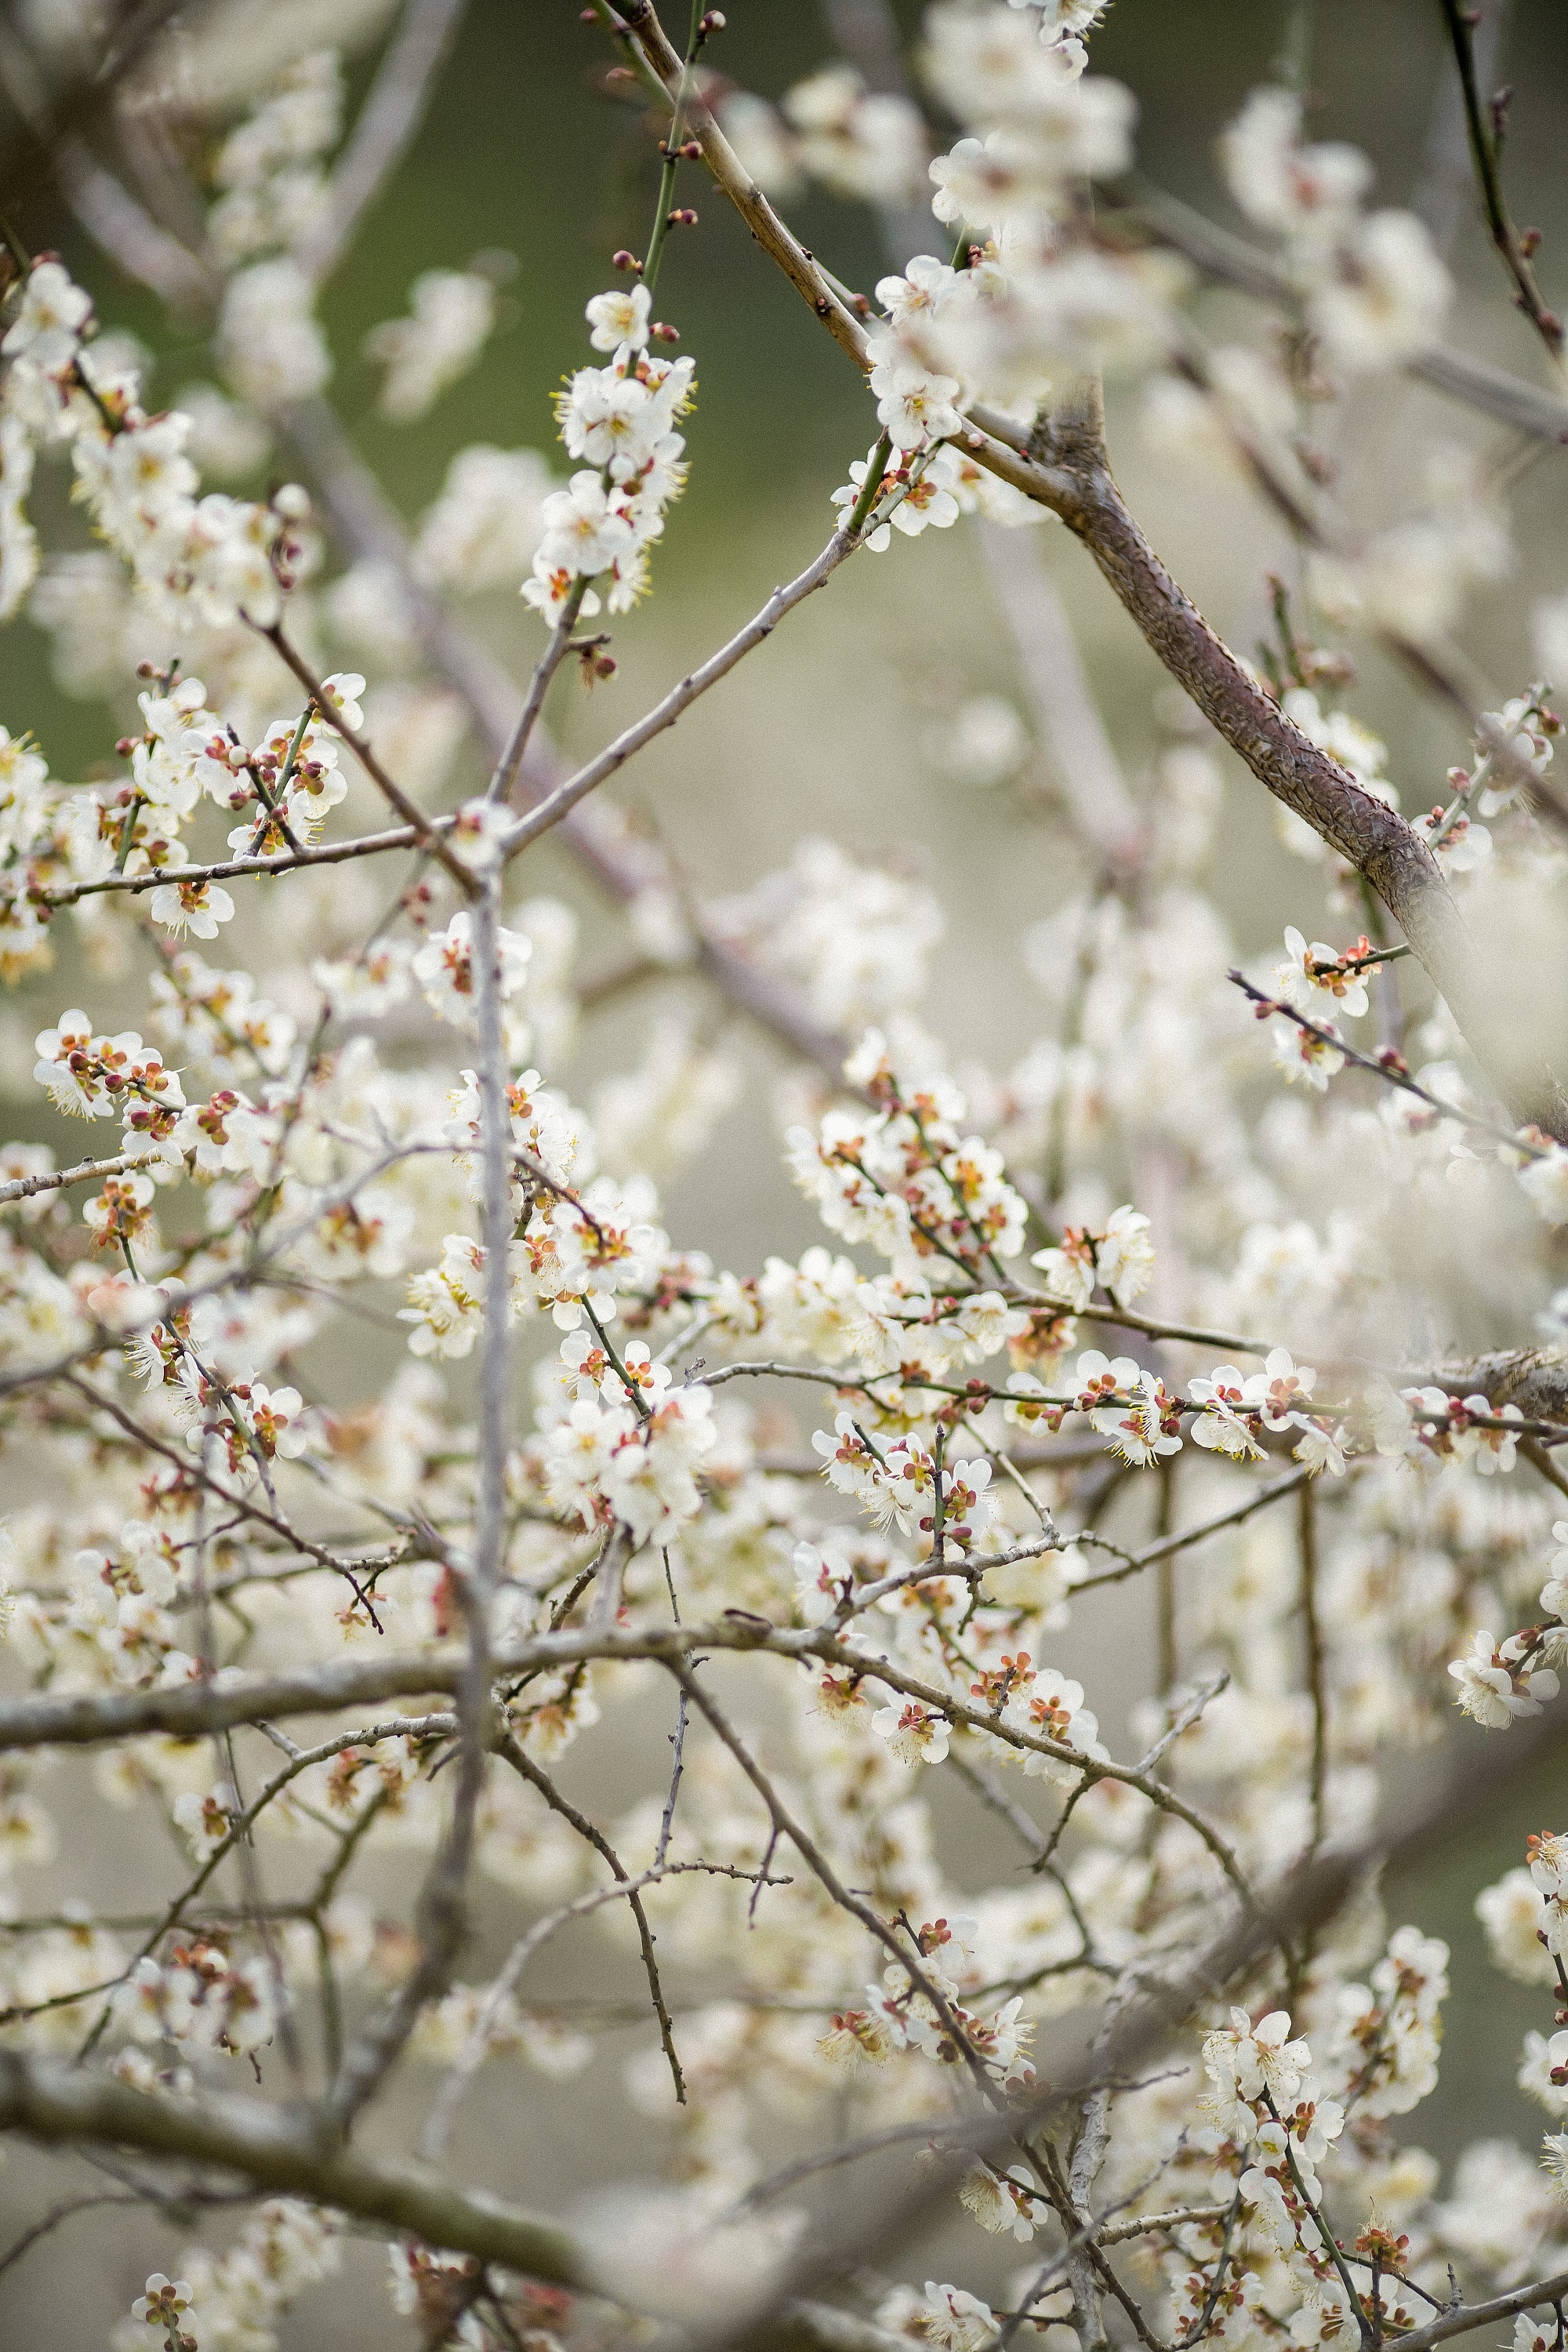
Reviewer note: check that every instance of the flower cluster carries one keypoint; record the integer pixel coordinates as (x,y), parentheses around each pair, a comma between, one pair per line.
(621,419)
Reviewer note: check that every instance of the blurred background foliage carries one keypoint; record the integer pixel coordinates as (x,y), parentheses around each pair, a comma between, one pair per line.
(828,729)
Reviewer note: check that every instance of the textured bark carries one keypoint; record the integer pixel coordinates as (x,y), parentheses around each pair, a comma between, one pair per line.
(1533,1379)
(1375,838)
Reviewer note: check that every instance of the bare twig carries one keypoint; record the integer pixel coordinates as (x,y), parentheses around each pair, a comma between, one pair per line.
(680,698)
(513,1753)
(1484,144)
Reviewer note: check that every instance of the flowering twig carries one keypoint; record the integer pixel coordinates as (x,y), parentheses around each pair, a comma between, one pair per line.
(428,829)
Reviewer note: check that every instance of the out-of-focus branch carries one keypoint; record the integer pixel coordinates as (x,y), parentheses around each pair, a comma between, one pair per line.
(1476,384)
(1081,758)
(1184,1538)
(57,2105)
(55,118)
(384,129)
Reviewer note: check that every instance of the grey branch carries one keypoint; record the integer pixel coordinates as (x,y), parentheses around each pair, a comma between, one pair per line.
(86,1171)
(385,129)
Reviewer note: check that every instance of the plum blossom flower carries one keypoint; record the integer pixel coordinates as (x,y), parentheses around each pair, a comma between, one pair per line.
(930,503)
(1124,1253)
(819,1591)
(1304,1056)
(196,907)
(444,968)
(1248,2062)
(913,405)
(47,326)
(1387,300)
(1544,1178)
(946,2317)
(1319,1448)
(1314,978)
(858,2037)
(913,1733)
(619,320)
(1495,1688)
(450,315)
(1002,2204)
(164,2304)
(1222,1427)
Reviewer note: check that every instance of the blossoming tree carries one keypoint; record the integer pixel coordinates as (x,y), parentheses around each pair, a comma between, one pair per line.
(300,1617)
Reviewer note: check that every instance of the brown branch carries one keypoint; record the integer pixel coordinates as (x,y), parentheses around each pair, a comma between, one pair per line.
(86,1171)
(1062,465)
(881,2227)
(328,852)
(63,2105)
(513,1752)
(192,1470)
(1374,838)
(784,1824)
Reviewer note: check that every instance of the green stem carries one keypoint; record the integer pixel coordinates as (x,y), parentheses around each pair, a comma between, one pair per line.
(876,467)
(128,833)
(671,157)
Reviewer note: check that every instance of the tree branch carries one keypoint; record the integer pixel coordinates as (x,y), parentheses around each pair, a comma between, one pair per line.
(680,698)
